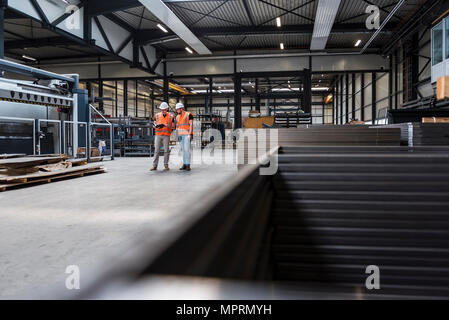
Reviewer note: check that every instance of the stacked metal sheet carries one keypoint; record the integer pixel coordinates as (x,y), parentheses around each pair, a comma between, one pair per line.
(423,134)
(338,210)
(339,135)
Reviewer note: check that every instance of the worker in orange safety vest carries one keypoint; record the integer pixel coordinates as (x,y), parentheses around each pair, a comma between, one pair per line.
(184,126)
(163,126)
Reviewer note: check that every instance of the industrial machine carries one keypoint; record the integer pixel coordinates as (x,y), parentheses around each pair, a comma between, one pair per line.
(42,112)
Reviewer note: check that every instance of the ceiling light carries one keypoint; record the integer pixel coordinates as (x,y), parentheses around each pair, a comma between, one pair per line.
(162,28)
(282,46)
(278,22)
(189,50)
(358,43)
(324,20)
(29,58)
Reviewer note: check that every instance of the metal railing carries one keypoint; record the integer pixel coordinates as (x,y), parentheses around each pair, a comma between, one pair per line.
(97,124)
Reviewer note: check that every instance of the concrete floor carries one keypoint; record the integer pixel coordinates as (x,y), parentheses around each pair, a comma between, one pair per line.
(88,221)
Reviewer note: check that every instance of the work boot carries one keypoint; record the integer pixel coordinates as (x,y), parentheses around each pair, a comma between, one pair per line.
(187,167)
(183,167)
(154,168)
(166,168)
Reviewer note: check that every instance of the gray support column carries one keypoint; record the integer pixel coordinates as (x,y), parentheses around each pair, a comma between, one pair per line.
(63,151)
(166,88)
(341,100)
(100,88)
(307,93)
(116,99)
(347,98)
(237,101)
(415,67)
(3,4)
(137,100)
(211,94)
(152,103)
(396,78)
(337,101)
(362,97)
(390,84)
(353,96)
(257,96)
(373,97)
(322,108)
(125,98)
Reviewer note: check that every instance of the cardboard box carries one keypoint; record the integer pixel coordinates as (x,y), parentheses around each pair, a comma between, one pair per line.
(257,123)
(443,88)
(94,152)
(435,120)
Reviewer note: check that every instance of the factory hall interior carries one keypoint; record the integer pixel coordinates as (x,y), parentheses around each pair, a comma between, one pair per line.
(224,149)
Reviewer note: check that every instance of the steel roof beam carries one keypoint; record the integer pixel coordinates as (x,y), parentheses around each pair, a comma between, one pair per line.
(169,18)
(147,36)
(101,7)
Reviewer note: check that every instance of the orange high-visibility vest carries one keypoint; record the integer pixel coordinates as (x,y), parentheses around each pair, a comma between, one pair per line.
(167,120)
(183,124)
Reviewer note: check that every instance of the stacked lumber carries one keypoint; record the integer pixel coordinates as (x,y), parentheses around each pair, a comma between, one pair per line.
(11,155)
(23,171)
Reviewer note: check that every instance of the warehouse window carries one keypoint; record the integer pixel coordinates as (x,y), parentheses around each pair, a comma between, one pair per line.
(447,38)
(437,44)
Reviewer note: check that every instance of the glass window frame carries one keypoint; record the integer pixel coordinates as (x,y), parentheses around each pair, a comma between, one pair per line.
(442,24)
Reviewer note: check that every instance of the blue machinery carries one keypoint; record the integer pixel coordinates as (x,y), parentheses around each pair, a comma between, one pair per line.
(48,99)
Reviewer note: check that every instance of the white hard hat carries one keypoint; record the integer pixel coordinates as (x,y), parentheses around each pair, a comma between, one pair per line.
(163,106)
(179,105)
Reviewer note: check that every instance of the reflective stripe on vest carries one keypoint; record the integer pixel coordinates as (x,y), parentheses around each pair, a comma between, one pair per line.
(183,124)
(160,119)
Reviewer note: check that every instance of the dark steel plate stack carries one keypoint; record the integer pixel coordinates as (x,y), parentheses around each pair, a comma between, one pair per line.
(338,210)
(423,134)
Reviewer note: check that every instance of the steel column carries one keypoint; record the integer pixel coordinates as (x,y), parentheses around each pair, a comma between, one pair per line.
(116,99)
(166,88)
(347,98)
(137,100)
(373,97)
(396,78)
(211,91)
(337,101)
(3,4)
(341,100)
(257,96)
(237,101)
(125,98)
(322,107)
(362,97)
(390,84)
(353,96)
(307,92)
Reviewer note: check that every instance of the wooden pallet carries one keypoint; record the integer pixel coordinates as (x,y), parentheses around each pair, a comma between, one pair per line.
(51,178)
(41,175)
(10,156)
(29,161)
